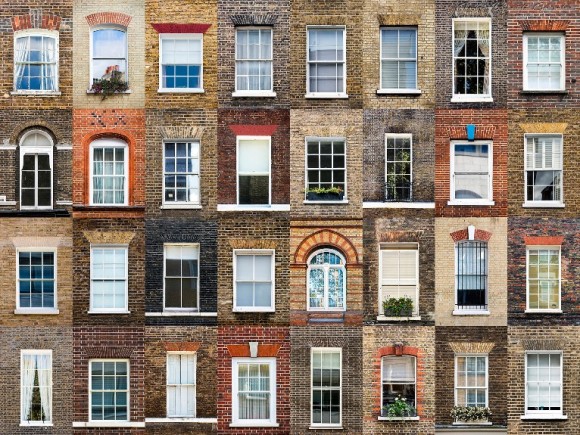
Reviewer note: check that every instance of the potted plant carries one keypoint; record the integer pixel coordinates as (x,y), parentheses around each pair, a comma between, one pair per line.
(325,194)
(470,414)
(109,84)
(399,409)
(398,307)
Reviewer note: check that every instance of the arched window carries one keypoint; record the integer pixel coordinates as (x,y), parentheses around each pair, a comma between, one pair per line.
(36,170)
(326,281)
(471,275)
(36,60)
(108,54)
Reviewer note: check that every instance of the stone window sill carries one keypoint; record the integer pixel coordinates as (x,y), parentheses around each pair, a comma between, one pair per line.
(180,314)
(37,311)
(397,319)
(254,425)
(108,424)
(255,94)
(471,203)
(471,312)
(471,99)
(543,311)
(398,91)
(180,91)
(322,427)
(543,204)
(399,418)
(109,312)
(181,420)
(398,205)
(306,201)
(236,207)
(544,92)
(322,95)
(115,93)
(544,417)
(180,206)
(36,93)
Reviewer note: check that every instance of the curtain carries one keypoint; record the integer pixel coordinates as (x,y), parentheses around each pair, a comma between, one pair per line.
(49,68)
(28,366)
(45,383)
(459,42)
(22,54)
(483,45)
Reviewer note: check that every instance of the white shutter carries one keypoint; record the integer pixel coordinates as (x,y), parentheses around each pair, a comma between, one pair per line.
(253,156)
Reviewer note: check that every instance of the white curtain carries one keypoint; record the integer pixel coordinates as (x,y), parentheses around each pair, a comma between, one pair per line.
(45,383)
(28,365)
(459,42)
(49,68)
(483,44)
(21,56)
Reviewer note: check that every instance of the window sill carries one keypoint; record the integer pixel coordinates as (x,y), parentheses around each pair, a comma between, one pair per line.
(36,93)
(398,91)
(253,310)
(543,204)
(485,202)
(543,311)
(306,201)
(398,418)
(397,319)
(256,94)
(39,311)
(472,423)
(325,427)
(180,314)
(180,206)
(35,424)
(237,207)
(181,420)
(544,91)
(409,204)
(7,203)
(471,312)
(114,93)
(469,99)
(108,424)
(181,91)
(249,424)
(322,95)
(544,417)
(108,312)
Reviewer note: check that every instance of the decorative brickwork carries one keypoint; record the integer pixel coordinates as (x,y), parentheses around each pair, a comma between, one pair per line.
(108,18)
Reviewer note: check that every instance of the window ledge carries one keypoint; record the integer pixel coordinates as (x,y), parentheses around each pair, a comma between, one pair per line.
(114,93)
(108,424)
(322,427)
(409,204)
(180,314)
(472,423)
(7,203)
(544,91)
(108,312)
(397,319)
(485,202)
(254,425)
(180,206)
(543,311)
(42,311)
(35,424)
(181,420)
(255,94)
(181,91)
(544,417)
(470,99)
(324,95)
(398,418)
(253,310)
(399,91)
(237,207)
(543,204)
(471,312)
(306,201)
(36,93)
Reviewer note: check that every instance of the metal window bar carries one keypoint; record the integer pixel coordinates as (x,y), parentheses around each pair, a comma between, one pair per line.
(471,278)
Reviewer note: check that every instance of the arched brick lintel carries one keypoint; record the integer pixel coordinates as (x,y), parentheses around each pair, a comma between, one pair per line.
(99,18)
(463,234)
(322,238)
(392,350)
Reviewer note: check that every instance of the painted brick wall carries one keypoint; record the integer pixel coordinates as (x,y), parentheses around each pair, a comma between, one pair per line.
(568,229)
(418,342)
(490,125)
(419,123)
(274,337)
(302,340)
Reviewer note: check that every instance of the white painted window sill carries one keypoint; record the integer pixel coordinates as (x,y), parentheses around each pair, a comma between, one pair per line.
(180,91)
(398,205)
(399,91)
(39,311)
(543,204)
(237,207)
(472,423)
(471,203)
(543,311)
(114,93)
(108,424)
(306,201)
(64,203)
(471,99)
(181,314)
(323,95)
(108,312)
(249,424)
(325,427)
(7,203)
(36,93)
(398,418)
(35,424)
(255,94)
(253,310)
(397,319)
(471,312)
(544,417)
(181,420)
(180,206)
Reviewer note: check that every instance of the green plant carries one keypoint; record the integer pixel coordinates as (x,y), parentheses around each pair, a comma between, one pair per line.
(398,307)
(110,86)
(321,190)
(399,408)
(470,413)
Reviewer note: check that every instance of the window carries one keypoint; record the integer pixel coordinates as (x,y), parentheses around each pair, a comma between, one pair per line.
(544,383)
(398,163)
(253,392)
(36,61)
(109,161)
(471,58)
(254,170)
(181,63)
(544,62)
(471,381)
(543,278)
(326,387)
(544,169)
(108,54)
(325,169)
(471,275)
(181,276)
(36,170)
(181,384)
(254,280)
(181,173)
(398,59)
(36,387)
(471,173)
(398,380)
(399,274)
(109,279)
(253,62)
(36,280)
(109,390)
(326,281)
(326,73)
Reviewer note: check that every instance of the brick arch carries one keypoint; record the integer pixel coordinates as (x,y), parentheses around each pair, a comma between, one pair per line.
(99,18)
(323,238)
(481,235)
(39,124)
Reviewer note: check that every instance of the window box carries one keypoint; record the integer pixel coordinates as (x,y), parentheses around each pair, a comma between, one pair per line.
(471,415)
(325,196)
(110,86)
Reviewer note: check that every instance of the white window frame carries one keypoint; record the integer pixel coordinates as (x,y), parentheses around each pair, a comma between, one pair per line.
(125,309)
(253,252)
(238,174)
(310,94)
(109,143)
(398,247)
(35,150)
(401,136)
(458,98)
(544,414)
(537,248)
(47,34)
(35,352)
(456,387)
(187,36)
(324,350)
(106,27)
(167,385)
(540,203)
(128,390)
(326,267)
(36,310)
(238,422)
(471,311)
(181,204)
(562,37)
(416,59)
(471,201)
(174,309)
(306,168)
(255,93)
(383,362)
